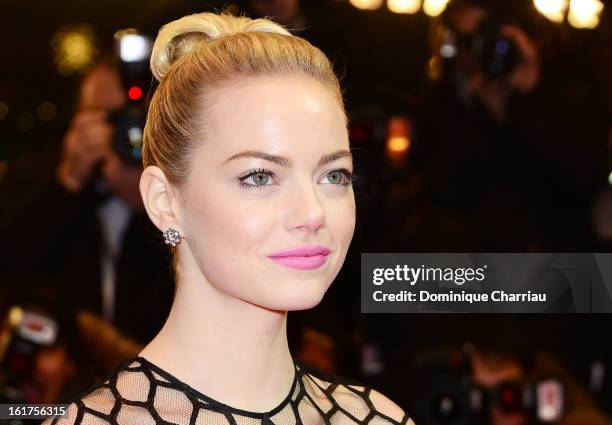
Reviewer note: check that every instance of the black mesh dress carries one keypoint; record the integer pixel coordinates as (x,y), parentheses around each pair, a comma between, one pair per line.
(140,393)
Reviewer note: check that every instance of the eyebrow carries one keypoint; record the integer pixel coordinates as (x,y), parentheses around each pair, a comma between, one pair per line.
(286,162)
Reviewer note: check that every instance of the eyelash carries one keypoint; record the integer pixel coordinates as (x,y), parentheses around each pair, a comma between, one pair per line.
(350,178)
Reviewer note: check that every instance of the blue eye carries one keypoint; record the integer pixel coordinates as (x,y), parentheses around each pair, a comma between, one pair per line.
(341,176)
(258,177)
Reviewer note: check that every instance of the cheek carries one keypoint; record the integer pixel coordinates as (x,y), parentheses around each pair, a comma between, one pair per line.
(252,225)
(341,221)
(227,230)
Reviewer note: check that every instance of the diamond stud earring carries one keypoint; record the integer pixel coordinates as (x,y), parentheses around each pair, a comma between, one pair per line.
(172,237)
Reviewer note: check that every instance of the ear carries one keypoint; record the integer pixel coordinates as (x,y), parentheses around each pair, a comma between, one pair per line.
(160,200)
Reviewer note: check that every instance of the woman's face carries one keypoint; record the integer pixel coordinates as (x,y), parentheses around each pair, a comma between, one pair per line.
(273,174)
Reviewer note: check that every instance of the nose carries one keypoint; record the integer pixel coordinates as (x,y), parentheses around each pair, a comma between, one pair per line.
(306,211)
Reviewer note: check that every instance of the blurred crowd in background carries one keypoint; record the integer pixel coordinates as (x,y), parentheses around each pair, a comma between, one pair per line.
(476,126)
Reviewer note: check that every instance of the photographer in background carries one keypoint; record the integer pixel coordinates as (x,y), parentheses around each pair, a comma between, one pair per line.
(511,138)
(40,356)
(496,369)
(88,141)
(485,369)
(74,217)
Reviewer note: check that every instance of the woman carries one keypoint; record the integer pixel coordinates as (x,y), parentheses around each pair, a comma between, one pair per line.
(248,175)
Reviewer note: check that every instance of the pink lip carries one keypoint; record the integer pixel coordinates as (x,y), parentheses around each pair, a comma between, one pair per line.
(302,257)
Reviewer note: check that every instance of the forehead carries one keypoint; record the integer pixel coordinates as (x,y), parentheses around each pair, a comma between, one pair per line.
(292,115)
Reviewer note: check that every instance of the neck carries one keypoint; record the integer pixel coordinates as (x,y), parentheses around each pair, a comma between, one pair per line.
(228,349)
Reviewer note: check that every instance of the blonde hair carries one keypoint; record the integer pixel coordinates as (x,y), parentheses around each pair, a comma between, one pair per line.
(198,53)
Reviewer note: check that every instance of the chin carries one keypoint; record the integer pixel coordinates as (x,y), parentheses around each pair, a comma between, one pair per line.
(298,296)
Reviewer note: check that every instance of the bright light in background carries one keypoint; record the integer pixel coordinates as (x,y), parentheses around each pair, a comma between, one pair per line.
(552,9)
(366,4)
(398,144)
(73,49)
(584,13)
(430,7)
(15,316)
(133,47)
(404,6)
(135,136)
(434,7)
(434,68)
(448,50)
(398,138)
(135,93)
(610,179)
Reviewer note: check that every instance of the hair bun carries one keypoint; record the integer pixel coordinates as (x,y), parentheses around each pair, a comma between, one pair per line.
(181,36)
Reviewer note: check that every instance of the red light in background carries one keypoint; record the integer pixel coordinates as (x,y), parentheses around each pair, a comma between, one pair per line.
(135,93)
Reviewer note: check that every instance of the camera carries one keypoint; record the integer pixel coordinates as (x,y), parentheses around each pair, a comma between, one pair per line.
(484,50)
(132,51)
(497,55)
(22,334)
(449,396)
